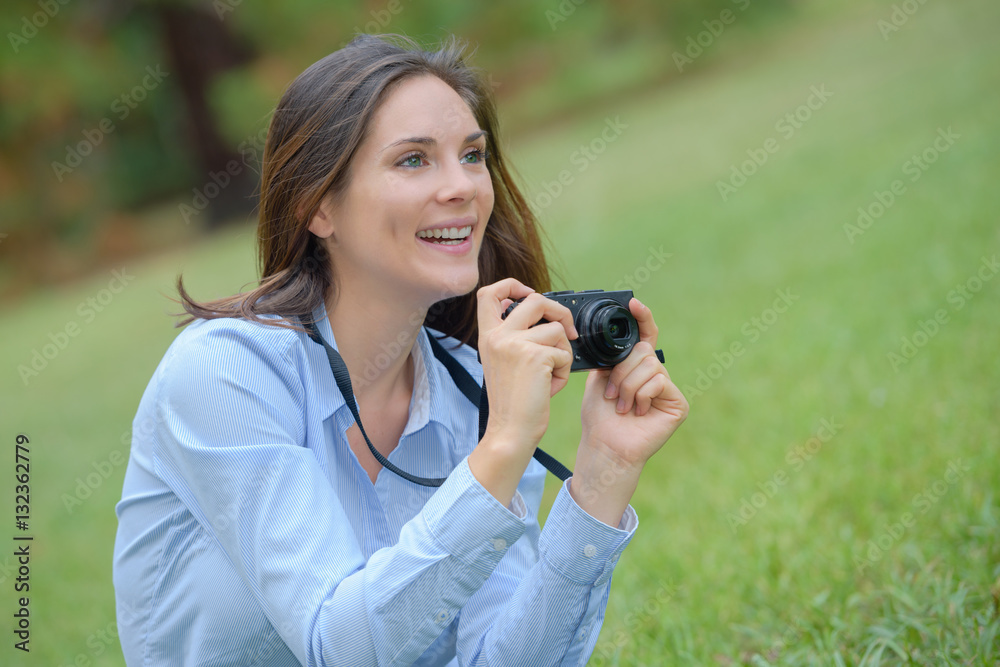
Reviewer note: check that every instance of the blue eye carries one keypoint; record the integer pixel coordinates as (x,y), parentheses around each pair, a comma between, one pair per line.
(477,156)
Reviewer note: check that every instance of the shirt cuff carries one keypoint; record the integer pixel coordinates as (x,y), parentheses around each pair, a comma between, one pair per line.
(517,506)
(470,523)
(583,549)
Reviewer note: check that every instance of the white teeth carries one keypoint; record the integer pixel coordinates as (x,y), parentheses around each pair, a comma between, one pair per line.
(446,233)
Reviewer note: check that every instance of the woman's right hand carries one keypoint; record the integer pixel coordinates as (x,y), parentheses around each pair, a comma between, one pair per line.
(524,365)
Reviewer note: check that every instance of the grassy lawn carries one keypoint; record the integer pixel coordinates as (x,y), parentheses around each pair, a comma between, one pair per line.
(832,497)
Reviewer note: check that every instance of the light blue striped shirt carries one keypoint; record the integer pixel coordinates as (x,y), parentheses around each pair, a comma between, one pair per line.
(249,533)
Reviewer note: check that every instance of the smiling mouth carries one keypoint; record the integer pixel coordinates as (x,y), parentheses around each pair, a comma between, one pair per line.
(445,235)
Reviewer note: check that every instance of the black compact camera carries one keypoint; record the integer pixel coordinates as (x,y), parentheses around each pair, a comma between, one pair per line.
(606,327)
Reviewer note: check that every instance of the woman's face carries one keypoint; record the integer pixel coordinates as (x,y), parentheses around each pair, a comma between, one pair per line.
(412,219)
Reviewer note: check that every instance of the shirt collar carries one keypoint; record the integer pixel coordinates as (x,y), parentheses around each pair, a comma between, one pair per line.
(447,402)
(421,402)
(330,399)
(429,401)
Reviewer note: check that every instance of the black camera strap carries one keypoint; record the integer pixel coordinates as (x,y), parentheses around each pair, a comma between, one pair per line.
(462,379)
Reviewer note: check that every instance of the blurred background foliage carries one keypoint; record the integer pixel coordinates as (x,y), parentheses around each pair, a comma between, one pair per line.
(115,114)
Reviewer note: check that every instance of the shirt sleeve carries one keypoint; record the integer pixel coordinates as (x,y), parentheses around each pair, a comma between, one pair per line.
(544,604)
(230,444)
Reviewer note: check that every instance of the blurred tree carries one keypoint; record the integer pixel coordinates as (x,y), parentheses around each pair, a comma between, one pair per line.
(109,106)
(200,46)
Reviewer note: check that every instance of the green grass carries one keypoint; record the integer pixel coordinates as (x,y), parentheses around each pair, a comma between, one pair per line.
(695,587)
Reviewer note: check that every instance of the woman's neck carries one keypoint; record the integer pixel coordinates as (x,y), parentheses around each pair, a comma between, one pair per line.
(375,338)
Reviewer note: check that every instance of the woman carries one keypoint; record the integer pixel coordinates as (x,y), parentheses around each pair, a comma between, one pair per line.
(257,528)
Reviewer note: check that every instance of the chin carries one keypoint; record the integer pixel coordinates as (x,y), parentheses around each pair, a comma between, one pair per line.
(457,285)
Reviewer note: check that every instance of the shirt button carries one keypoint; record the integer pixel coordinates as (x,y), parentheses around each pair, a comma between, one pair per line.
(442,617)
(499,544)
(590,551)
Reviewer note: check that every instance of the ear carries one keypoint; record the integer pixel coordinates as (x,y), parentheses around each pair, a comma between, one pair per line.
(322,224)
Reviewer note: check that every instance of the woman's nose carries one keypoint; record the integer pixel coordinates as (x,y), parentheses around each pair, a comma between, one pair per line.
(457,184)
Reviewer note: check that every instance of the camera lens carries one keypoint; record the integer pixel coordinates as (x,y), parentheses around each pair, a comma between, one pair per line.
(618,328)
(607,330)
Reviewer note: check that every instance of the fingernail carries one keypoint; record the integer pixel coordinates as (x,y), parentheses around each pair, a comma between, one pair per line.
(610,391)
(621,405)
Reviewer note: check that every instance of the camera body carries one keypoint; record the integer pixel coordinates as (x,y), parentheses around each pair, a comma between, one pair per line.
(607,329)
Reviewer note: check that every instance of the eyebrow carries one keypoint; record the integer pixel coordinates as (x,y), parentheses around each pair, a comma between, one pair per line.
(430,141)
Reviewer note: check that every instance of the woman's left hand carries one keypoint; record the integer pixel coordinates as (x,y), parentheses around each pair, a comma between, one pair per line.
(628,413)
(634,408)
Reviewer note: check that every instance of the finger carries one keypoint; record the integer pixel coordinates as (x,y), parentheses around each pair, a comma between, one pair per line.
(563,362)
(536,307)
(554,349)
(490,301)
(648,368)
(656,386)
(549,334)
(672,401)
(644,316)
(640,351)
(551,343)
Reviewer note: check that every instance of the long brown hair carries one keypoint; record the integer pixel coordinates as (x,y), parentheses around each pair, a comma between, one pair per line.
(316,129)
